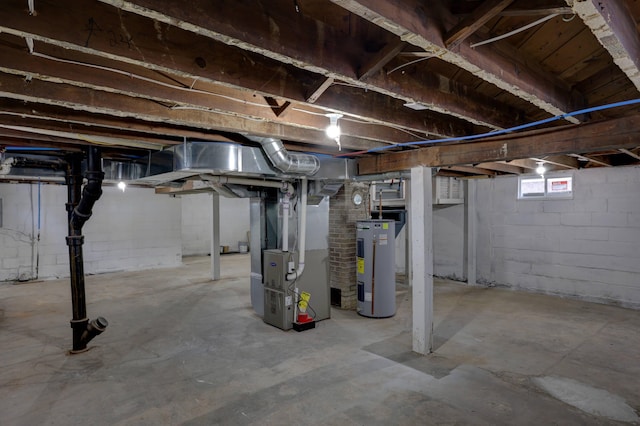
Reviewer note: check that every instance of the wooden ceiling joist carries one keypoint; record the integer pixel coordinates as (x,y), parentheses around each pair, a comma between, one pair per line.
(614,27)
(411,22)
(471,23)
(331,58)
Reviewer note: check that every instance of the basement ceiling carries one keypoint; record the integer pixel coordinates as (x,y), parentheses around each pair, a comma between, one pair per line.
(141,75)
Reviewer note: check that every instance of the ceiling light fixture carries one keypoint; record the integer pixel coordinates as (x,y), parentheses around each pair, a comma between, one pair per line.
(540,169)
(333,130)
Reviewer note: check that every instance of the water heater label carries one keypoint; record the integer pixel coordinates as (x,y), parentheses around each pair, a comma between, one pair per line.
(360,265)
(288,301)
(385,226)
(368,296)
(383,239)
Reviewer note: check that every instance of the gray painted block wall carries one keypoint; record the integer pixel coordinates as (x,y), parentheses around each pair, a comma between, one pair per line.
(133,230)
(448,241)
(196,223)
(586,247)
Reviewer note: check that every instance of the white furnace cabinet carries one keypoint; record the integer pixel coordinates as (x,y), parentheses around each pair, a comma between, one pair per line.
(376,263)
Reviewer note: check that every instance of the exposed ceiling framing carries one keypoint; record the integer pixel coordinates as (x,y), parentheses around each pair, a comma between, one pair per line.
(142,75)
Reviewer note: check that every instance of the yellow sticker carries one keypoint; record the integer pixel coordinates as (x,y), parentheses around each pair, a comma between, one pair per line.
(385,226)
(360,265)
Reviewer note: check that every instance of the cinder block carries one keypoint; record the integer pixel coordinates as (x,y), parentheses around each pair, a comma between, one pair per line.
(575,219)
(590,204)
(609,219)
(634,220)
(629,204)
(13,263)
(558,206)
(628,234)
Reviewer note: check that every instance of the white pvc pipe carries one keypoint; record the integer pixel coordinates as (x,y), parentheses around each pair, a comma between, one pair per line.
(285,222)
(303,230)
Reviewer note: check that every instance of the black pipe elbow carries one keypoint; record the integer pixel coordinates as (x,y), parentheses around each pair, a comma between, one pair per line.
(91,192)
(95,327)
(84,331)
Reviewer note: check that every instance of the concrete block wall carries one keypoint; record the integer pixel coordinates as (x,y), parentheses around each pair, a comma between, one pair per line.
(448,241)
(18,233)
(133,230)
(586,247)
(343,215)
(196,223)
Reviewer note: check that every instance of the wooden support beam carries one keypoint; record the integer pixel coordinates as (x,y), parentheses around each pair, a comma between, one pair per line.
(630,153)
(117,105)
(518,8)
(471,23)
(591,137)
(502,167)
(613,25)
(319,89)
(375,64)
(525,163)
(592,159)
(472,170)
(330,55)
(135,81)
(15,113)
(410,20)
(560,160)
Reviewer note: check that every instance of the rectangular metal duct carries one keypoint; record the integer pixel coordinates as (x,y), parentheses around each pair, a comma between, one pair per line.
(194,158)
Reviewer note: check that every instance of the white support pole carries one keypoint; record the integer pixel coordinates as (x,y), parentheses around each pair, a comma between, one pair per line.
(408,271)
(470,231)
(215,236)
(421,212)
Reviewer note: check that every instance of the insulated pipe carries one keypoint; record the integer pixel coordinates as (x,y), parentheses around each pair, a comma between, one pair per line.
(286,162)
(303,231)
(79,211)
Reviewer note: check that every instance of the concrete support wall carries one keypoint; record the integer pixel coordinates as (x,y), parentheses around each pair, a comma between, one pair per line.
(586,247)
(128,231)
(196,223)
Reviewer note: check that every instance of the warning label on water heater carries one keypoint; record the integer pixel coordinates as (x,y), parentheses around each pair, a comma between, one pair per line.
(360,265)
(382,239)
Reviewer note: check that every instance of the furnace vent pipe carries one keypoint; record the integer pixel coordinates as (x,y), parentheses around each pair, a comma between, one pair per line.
(304,164)
(303,231)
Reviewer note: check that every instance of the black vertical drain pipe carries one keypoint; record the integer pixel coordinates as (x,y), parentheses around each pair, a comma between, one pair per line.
(79,205)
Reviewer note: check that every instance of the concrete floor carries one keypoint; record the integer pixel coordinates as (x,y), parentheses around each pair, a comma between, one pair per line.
(181,349)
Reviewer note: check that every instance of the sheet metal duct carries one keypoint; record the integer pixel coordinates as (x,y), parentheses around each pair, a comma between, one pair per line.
(286,162)
(194,158)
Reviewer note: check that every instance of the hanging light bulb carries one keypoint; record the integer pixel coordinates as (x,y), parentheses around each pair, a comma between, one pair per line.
(122,186)
(540,169)
(333,130)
